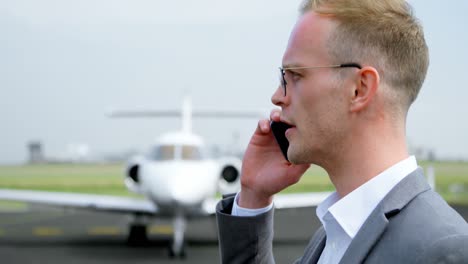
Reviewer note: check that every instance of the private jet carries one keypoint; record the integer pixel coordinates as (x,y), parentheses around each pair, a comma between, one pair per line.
(177,178)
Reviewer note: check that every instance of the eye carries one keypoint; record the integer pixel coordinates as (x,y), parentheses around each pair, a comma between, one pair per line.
(296,75)
(292,75)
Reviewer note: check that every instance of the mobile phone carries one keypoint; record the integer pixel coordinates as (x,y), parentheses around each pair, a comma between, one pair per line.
(279,130)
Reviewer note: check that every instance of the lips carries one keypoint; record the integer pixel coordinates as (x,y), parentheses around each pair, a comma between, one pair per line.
(287,123)
(284,120)
(288,131)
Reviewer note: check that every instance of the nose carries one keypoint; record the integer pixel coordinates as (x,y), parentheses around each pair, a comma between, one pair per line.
(278,98)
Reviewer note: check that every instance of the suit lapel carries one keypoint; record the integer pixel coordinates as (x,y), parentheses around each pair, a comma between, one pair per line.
(367,236)
(375,225)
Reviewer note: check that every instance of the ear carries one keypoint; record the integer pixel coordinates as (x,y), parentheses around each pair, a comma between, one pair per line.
(365,88)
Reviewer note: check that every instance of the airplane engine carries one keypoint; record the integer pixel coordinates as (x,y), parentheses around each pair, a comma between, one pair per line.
(229,175)
(132,174)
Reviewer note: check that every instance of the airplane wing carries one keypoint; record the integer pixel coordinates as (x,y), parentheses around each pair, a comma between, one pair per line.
(281,201)
(85,201)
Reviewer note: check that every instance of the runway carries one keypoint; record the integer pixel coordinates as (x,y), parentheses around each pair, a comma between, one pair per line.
(48,235)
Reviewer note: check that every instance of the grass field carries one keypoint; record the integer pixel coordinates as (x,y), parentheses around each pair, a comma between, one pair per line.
(451,179)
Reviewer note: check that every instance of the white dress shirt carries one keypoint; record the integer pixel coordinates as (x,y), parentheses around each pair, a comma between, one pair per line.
(342,218)
(241,211)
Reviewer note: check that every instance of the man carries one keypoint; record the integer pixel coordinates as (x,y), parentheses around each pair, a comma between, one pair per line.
(350,72)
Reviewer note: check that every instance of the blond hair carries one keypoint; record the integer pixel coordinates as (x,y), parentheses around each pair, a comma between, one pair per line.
(383,34)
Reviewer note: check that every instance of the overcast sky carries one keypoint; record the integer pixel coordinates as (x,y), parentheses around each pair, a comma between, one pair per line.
(64,63)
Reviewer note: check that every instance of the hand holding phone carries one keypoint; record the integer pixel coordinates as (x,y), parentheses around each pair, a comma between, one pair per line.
(279,130)
(264,173)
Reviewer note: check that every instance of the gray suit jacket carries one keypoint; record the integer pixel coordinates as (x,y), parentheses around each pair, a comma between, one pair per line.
(412,224)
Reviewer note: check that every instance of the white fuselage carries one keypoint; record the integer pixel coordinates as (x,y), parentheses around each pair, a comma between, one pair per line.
(179,184)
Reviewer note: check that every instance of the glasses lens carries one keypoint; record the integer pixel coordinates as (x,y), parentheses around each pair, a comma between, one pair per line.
(283,81)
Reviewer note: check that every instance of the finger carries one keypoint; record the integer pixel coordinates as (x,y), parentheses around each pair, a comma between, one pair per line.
(264,126)
(275,115)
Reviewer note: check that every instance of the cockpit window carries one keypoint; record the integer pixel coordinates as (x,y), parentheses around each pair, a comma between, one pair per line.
(176,152)
(165,152)
(191,153)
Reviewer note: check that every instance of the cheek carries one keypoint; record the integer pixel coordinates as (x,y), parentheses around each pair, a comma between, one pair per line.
(305,110)
(309,118)
(333,122)
(320,113)
(318,102)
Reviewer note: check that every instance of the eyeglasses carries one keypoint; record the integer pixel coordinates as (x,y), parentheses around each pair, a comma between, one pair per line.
(283,73)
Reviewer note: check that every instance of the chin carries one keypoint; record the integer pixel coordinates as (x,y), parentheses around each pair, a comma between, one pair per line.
(300,154)
(296,157)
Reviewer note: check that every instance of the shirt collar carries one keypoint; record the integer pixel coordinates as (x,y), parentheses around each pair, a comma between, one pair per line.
(352,210)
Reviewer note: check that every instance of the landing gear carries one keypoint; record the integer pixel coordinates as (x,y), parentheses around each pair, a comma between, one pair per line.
(177,246)
(173,254)
(137,235)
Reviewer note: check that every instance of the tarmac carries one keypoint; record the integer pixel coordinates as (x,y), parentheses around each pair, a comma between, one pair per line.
(38,234)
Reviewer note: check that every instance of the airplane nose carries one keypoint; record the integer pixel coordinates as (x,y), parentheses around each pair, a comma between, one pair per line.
(186,185)
(188,193)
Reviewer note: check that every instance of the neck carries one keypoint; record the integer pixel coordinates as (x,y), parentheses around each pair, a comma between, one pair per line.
(368,152)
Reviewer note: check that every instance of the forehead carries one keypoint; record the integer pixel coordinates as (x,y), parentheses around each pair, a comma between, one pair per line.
(308,40)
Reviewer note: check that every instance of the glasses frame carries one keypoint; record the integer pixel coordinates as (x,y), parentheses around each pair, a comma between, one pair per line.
(344,65)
